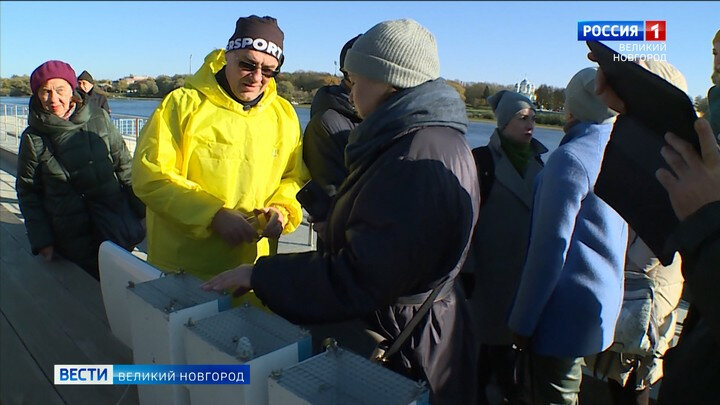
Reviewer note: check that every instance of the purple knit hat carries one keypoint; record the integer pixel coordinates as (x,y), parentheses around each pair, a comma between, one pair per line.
(50,70)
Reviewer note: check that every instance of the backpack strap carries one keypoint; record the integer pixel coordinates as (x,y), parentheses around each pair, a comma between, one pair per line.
(486,171)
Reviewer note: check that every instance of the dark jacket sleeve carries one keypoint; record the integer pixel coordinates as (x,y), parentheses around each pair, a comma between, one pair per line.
(324,147)
(104,103)
(397,243)
(119,152)
(30,195)
(699,239)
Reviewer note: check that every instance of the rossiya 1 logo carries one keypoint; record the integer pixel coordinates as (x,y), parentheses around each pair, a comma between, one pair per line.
(653,31)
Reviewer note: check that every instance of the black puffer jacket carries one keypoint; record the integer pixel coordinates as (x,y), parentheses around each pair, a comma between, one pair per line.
(54,210)
(332,117)
(400,223)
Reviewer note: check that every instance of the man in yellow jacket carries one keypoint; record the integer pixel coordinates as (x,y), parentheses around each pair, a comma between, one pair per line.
(218,151)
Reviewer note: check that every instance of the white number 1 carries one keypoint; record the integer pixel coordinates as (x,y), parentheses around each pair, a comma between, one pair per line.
(656,28)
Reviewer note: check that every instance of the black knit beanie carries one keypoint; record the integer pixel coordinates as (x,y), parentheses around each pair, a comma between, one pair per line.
(258,33)
(86,76)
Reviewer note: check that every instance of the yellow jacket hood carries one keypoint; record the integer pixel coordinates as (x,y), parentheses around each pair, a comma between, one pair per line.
(204,81)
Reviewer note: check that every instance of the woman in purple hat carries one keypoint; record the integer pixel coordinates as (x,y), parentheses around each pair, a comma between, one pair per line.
(72,168)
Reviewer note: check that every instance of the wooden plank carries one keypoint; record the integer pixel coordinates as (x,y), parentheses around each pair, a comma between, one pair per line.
(71,277)
(45,339)
(21,379)
(54,327)
(90,333)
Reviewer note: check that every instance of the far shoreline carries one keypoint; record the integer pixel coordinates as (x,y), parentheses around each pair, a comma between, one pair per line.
(303,105)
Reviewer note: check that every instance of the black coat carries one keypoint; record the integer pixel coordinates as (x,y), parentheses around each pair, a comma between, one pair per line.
(96,99)
(326,135)
(97,159)
(400,224)
(692,368)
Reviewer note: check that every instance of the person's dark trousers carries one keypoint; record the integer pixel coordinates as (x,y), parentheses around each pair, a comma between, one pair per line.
(628,395)
(499,361)
(554,380)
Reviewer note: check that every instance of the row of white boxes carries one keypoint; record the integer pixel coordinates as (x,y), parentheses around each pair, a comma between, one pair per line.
(170,320)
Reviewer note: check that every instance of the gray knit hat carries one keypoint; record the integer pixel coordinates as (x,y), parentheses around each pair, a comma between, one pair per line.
(401,53)
(581,100)
(505,104)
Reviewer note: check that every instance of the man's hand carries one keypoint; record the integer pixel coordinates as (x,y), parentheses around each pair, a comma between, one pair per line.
(237,279)
(275,222)
(605,92)
(696,179)
(232,226)
(47,253)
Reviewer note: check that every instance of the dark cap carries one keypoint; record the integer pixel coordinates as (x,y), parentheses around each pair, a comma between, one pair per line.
(344,50)
(86,76)
(258,33)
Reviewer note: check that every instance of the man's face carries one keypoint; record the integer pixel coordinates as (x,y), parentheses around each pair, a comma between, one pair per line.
(247,72)
(55,95)
(716,56)
(85,85)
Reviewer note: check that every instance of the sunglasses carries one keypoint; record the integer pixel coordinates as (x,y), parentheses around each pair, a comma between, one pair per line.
(265,71)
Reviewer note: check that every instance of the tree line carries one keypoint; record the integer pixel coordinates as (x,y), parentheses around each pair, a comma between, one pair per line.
(300,87)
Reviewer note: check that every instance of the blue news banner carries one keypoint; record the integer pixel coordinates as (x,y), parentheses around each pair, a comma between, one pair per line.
(124,374)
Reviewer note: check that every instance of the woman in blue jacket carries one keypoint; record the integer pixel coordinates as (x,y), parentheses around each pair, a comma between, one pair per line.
(571,289)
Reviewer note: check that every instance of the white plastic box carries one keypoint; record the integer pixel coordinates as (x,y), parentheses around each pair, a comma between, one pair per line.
(160,308)
(338,376)
(244,335)
(118,267)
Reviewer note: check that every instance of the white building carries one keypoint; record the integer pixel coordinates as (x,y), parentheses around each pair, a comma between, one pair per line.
(527,89)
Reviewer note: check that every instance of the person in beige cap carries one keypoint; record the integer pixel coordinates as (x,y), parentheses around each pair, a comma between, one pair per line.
(400,225)
(646,325)
(572,283)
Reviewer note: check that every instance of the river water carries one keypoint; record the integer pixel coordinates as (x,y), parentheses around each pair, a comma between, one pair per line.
(478,132)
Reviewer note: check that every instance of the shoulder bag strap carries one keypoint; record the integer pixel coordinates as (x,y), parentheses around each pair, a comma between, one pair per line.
(419,315)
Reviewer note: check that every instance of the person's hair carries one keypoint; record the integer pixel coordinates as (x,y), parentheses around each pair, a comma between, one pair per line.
(343,53)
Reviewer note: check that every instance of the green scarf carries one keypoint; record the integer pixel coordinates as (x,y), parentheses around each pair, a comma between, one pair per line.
(519,153)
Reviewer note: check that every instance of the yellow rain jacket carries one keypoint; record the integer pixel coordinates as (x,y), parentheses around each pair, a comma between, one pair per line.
(201,151)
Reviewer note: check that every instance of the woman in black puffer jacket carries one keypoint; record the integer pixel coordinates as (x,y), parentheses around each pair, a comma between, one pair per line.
(68,139)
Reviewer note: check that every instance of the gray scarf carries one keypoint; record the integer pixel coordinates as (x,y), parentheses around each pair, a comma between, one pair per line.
(433,103)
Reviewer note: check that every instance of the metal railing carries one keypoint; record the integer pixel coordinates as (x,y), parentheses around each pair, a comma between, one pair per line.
(13,122)
(128,124)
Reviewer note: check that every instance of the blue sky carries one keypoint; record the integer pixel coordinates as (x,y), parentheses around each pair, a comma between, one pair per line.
(478,41)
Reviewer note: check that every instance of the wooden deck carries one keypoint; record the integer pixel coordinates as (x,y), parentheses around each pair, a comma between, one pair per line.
(52,313)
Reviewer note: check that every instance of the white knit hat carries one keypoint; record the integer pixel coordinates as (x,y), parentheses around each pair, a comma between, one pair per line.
(581,100)
(401,53)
